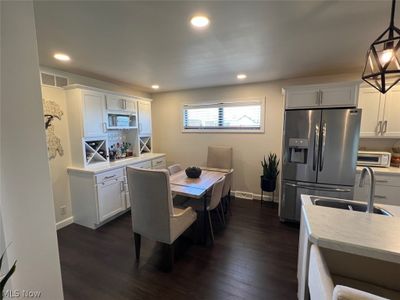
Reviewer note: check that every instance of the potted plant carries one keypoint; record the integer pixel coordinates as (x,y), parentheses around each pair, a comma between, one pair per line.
(270,173)
(6,276)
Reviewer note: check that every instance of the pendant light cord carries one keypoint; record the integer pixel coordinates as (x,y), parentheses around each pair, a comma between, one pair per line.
(392,14)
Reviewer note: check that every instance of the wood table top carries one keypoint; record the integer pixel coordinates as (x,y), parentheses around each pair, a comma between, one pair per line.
(194,187)
(206,180)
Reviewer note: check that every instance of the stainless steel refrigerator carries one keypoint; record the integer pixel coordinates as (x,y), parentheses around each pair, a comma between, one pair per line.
(319,156)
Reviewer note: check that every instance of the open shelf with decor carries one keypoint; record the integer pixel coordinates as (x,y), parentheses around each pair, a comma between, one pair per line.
(95,151)
(145,144)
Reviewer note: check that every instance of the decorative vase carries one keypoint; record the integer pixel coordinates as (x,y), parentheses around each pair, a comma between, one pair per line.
(267,184)
(193,172)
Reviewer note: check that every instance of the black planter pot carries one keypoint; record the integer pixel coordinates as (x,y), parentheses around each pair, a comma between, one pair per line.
(268,185)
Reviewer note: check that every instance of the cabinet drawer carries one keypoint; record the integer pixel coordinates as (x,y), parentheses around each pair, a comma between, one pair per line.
(387,195)
(159,163)
(113,174)
(388,180)
(143,165)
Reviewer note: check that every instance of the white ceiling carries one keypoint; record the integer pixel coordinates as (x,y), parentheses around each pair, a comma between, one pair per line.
(143,43)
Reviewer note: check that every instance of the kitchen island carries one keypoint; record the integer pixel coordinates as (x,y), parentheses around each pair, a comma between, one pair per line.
(357,233)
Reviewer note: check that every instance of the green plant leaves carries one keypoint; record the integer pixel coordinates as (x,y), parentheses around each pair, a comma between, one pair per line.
(270,167)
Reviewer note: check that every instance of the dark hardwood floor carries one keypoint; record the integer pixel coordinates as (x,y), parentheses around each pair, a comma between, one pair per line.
(254,257)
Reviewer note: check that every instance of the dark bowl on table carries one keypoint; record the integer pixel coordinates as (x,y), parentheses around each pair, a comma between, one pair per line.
(193,172)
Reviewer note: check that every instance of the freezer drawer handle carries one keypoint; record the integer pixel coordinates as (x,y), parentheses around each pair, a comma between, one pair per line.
(319,189)
(321,161)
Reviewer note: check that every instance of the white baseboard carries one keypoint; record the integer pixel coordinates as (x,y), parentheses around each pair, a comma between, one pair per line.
(252,196)
(64,223)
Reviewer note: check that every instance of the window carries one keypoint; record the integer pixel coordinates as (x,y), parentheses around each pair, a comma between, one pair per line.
(245,116)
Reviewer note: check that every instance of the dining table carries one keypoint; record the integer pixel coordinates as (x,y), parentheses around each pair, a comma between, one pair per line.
(196,188)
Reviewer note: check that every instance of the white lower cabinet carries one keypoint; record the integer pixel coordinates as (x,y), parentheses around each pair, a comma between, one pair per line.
(111,198)
(387,189)
(98,198)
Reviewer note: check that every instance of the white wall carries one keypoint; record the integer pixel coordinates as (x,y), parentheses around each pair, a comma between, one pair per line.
(26,198)
(248,149)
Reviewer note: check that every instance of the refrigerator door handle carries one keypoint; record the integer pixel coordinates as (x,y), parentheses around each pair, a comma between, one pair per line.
(321,161)
(316,146)
(318,189)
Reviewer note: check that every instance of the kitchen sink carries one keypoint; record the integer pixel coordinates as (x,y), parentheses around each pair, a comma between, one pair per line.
(345,204)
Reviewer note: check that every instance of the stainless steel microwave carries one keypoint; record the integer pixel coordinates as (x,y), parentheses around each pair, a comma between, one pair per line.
(374,159)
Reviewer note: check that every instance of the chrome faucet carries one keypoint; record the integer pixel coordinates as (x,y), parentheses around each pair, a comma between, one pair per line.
(370,172)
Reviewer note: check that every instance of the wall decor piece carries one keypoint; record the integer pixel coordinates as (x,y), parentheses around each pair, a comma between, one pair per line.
(52,111)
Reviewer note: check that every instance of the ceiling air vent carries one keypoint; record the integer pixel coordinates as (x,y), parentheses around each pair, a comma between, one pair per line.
(53,80)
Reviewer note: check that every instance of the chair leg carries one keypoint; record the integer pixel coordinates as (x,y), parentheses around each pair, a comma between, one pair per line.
(211,227)
(220,210)
(229,203)
(169,256)
(137,238)
(219,214)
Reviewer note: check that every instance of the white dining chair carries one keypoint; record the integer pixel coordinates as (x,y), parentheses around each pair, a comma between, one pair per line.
(214,203)
(226,193)
(153,214)
(174,169)
(219,157)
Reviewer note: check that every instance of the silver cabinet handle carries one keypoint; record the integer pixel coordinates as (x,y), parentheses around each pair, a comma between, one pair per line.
(381,181)
(316,146)
(104,127)
(380,197)
(322,152)
(317,100)
(121,186)
(384,126)
(379,127)
(321,94)
(109,177)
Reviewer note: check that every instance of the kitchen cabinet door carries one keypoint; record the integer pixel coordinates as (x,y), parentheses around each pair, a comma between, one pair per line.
(111,198)
(391,116)
(93,114)
(144,108)
(114,102)
(371,102)
(339,96)
(130,105)
(301,98)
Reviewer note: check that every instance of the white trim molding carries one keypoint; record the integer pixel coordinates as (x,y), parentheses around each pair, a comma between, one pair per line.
(251,196)
(64,223)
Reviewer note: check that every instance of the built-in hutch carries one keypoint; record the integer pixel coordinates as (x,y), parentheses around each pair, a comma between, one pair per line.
(98,121)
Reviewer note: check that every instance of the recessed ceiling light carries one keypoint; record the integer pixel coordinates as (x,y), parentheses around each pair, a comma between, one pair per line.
(62,57)
(155,86)
(200,21)
(241,76)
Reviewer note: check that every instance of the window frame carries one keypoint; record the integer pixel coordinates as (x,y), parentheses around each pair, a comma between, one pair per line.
(237,102)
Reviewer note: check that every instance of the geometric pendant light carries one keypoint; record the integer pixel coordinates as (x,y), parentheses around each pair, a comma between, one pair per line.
(382,66)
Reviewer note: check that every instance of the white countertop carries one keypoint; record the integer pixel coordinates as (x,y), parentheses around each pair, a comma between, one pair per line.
(103,167)
(383,171)
(371,235)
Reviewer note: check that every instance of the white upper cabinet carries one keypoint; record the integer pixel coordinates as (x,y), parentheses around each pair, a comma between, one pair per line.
(371,103)
(302,97)
(339,96)
(144,108)
(119,103)
(320,96)
(391,116)
(380,113)
(93,114)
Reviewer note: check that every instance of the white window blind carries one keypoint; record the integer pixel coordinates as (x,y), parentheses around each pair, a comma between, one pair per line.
(232,116)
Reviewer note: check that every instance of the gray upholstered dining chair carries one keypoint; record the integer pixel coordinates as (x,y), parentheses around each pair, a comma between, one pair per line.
(174,169)
(214,203)
(153,214)
(219,157)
